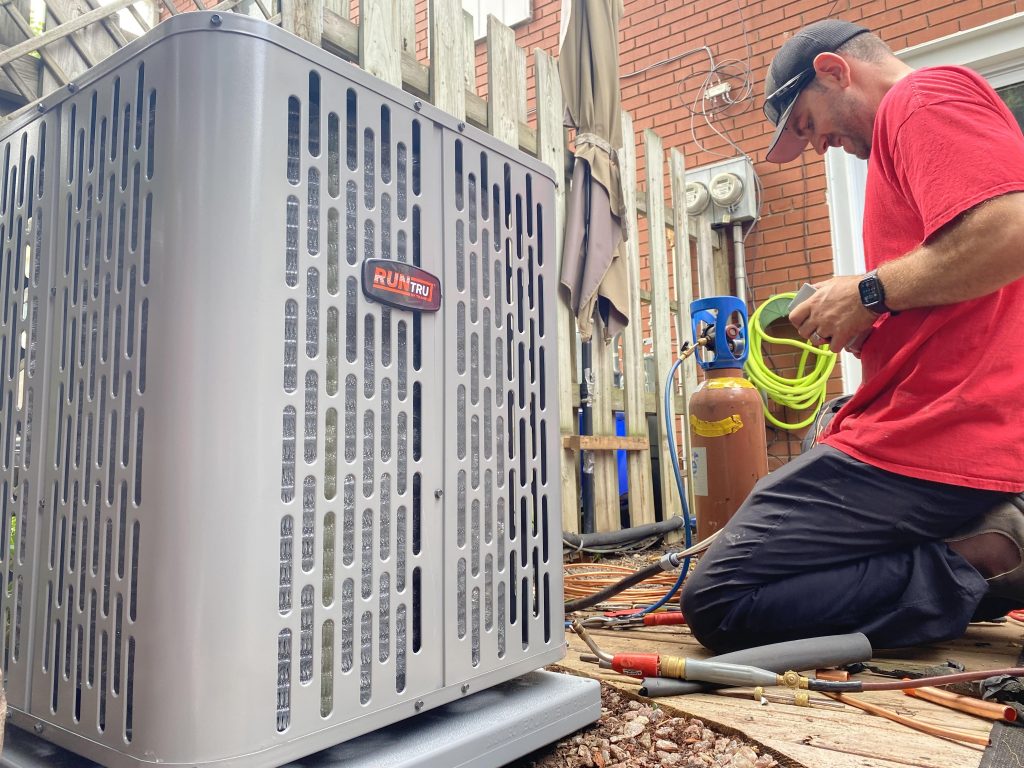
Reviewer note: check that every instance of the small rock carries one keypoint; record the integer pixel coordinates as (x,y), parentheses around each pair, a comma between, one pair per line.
(748,753)
(630,731)
(664,745)
(586,758)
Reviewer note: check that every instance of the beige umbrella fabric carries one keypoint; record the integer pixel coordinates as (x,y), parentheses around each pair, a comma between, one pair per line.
(594,264)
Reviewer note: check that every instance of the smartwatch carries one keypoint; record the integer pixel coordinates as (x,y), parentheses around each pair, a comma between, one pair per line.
(872,294)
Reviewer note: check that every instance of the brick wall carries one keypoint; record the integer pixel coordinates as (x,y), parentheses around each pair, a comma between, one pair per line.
(791,244)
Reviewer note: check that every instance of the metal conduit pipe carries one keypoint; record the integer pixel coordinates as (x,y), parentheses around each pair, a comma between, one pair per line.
(739,261)
(811,653)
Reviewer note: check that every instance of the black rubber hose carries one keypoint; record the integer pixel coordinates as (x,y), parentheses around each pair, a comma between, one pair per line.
(625,536)
(811,653)
(614,589)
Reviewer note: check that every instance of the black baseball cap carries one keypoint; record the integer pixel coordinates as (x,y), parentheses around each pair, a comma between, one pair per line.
(791,71)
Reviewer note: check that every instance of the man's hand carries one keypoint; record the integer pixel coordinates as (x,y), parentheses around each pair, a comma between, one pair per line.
(833,313)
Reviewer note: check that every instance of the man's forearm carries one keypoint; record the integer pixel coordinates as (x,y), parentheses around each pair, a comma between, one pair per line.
(974,256)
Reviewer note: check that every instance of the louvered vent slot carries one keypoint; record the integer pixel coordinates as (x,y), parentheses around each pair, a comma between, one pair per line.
(101,290)
(284,679)
(352,372)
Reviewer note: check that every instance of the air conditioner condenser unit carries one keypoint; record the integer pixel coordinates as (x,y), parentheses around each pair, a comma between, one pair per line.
(279,445)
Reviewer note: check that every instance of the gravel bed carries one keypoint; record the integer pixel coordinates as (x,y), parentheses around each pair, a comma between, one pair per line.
(640,734)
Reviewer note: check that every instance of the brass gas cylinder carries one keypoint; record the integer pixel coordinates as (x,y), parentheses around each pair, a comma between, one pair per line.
(729,447)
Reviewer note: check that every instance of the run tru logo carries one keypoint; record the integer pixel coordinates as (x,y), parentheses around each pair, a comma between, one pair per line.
(401,285)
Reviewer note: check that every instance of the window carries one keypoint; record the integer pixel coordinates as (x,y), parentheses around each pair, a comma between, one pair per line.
(1013,95)
(508,12)
(996,51)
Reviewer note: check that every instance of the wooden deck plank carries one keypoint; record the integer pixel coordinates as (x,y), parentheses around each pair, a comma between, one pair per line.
(833,738)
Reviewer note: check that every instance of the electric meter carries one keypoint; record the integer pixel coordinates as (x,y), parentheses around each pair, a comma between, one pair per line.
(726,190)
(697,198)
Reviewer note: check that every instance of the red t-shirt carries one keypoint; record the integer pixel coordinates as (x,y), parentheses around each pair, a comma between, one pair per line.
(942,397)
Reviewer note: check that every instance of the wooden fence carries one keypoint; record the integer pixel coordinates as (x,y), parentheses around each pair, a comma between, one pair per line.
(80,33)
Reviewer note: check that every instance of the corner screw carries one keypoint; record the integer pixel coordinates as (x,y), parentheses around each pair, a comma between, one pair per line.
(438,493)
(215,20)
(72,88)
(417,105)
(462,127)
(418,705)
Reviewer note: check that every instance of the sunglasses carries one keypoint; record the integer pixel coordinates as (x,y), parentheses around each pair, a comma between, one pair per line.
(776,102)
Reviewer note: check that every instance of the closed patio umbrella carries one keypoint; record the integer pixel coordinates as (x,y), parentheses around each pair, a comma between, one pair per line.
(594,267)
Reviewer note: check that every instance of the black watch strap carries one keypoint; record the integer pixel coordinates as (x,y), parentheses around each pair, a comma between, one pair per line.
(872,293)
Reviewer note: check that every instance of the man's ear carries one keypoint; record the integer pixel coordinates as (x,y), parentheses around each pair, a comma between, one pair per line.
(832,69)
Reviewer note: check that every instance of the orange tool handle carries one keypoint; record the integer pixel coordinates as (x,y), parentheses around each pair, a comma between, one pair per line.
(659,619)
(637,664)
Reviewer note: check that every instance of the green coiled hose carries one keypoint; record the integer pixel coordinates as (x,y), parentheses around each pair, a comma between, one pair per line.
(804,391)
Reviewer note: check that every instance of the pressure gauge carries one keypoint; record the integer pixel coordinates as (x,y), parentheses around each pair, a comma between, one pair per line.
(726,189)
(697,198)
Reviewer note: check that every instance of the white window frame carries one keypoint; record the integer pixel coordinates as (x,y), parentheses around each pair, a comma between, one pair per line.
(481,9)
(996,52)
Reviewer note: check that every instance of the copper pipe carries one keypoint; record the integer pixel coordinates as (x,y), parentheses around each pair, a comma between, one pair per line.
(839,675)
(577,627)
(990,710)
(917,725)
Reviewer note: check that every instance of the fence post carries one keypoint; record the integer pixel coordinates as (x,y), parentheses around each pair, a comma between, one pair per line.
(469,40)
(407,29)
(551,150)
(503,85)
(638,463)
(660,322)
(684,296)
(304,18)
(380,42)
(606,475)
(447,61)
(340,7)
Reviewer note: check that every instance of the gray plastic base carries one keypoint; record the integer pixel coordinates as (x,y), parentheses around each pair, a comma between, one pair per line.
(486,730)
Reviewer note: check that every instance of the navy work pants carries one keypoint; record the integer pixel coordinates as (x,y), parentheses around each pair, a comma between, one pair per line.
(829,545)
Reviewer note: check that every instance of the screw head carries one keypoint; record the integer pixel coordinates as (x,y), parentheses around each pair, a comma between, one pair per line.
(417,105)
(438,493)
(462,127)
(40,107)
(418,705)
(72,88)
(216,20)
(465,687)
(38,727)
